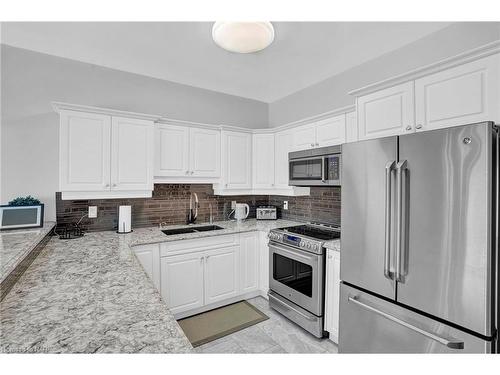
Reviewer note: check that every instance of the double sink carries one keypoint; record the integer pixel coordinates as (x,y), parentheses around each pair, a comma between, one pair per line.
(204,228)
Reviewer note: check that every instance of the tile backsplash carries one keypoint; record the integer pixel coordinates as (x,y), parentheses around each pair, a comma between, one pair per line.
(170,204)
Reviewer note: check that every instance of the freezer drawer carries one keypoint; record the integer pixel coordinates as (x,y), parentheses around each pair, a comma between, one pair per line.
(372,325)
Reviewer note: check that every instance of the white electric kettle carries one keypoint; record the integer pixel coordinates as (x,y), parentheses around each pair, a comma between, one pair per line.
(241,211)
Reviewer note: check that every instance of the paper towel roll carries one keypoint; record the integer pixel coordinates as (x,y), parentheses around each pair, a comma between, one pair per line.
(124,219)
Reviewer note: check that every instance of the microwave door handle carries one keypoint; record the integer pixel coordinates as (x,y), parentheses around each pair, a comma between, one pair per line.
(323,172)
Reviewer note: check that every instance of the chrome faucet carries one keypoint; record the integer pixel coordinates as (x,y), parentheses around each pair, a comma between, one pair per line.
(193,208)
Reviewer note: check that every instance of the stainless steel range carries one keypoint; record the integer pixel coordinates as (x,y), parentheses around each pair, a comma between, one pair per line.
(297,273)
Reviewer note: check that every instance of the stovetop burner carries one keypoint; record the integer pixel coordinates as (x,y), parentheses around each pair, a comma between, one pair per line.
(314,231)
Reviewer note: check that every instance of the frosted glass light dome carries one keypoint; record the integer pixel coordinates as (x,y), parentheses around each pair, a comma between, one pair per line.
(243,37)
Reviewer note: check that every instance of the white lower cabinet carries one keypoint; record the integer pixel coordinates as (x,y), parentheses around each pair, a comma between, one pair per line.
(263,264)
(249,262)
(149,257)
(332,294)
(182,282)
(221,274)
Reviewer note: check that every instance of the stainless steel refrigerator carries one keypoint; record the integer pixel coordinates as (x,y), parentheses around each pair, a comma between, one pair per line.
(419,246)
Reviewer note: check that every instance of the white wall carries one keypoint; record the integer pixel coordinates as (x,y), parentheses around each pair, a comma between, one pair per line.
(31,81)
(332,92)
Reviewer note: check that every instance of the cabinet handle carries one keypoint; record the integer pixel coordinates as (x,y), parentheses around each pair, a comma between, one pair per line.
(226,185)
(312,144)
(192,172)
(187,172)
(419,126)
(107,185)
(408,127)
(317,144)
(114,185)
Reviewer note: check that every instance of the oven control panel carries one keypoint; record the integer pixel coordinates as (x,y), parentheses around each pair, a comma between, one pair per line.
(297,242)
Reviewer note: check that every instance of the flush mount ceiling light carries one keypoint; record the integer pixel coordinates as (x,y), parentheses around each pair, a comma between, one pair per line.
(243,37)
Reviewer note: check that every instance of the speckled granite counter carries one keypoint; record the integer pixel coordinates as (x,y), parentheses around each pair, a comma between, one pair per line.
(91,295)
(15,245)
(333,245)
(142,236)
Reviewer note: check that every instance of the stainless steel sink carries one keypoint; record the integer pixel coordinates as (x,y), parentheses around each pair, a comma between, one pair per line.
(204,228)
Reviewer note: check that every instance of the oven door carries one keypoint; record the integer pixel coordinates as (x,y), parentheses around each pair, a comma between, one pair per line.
(297,275)
(306,171)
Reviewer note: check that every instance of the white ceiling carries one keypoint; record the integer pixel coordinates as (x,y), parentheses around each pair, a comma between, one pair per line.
(303,53)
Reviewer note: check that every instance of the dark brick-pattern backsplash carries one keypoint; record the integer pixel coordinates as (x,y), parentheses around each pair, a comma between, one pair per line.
(322,205)
(170,204)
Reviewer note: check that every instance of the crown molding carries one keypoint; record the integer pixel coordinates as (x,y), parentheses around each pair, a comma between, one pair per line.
(60,106)
(462,58)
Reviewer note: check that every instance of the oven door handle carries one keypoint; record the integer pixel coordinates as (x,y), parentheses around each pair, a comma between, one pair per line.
(294,254)
(290,307)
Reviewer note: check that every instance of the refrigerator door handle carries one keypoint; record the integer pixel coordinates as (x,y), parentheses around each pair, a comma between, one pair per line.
(400,168)
(452,343)
(389,167)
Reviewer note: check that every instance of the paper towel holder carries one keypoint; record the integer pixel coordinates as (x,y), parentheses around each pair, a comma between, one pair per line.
(124,220)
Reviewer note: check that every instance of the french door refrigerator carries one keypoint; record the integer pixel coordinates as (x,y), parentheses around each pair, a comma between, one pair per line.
(419,246)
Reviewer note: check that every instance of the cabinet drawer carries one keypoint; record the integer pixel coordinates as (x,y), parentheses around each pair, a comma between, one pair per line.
(197,244)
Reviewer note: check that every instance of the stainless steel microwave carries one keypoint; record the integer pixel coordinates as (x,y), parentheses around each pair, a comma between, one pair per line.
(316,167)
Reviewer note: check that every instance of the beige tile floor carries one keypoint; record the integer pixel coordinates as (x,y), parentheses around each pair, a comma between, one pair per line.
(275,335)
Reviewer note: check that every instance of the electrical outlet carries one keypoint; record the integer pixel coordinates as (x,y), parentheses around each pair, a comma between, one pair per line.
(92,212)
(233,205)
(285,205)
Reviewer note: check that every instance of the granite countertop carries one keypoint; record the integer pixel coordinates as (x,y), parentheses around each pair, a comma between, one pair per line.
(150,235)
(16,244)
(90,295)
(333,245)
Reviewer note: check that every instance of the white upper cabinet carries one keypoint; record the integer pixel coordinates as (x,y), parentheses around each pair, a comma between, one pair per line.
(187,152)
(263,160)
(237,159)
(171,150)
(326,132)
(386,112)
(85,151)
(351,127)
(104,156)
(304,137)
(204,152)
(282,146)
(131,154)
(330,131)
(465,94)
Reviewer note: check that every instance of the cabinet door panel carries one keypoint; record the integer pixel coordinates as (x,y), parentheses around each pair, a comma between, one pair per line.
(238,160)
(171,150)
(204,152)
(351,127)
(85,143)
(263,160)
(304,137)
(283,145)
(221,269)
(182,282)
(149,257)
(330,131)
(249,262)
(386,112)
(131,154)
(458,96)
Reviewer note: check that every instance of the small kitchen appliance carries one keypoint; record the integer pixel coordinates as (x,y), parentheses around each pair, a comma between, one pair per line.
(297,273)
(315,167)
(14,217)
(266,213)
(241,211)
